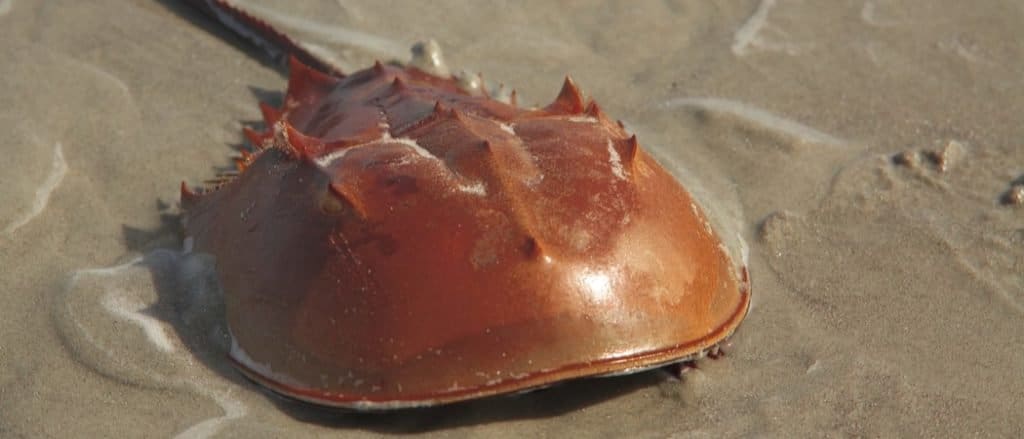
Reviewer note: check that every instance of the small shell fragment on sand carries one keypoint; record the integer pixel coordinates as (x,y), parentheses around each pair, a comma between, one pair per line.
(1014,196)
(941,160)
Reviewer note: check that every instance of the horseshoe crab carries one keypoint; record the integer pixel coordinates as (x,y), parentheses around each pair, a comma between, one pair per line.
(396,240)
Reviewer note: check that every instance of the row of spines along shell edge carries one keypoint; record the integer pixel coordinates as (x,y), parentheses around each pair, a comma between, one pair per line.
(305,82)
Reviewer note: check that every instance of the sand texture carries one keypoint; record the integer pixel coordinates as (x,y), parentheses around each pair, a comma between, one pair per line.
(868,152)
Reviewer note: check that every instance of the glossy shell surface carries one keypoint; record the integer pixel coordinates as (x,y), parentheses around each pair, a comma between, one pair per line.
(395,241)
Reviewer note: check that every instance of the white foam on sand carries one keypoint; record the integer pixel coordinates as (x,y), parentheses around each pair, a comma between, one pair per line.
(233,409)
(97,302)
(746,35)
(758,33)
(329,32)
(323,53)
(124,307)
(5,7)
(72,312)
(868,15)
(758,116)
(58,168)
(106,75)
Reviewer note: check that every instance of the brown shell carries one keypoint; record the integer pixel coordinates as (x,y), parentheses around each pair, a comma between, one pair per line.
(397,242)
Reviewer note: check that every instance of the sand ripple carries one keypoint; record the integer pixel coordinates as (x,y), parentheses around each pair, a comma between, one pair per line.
(125,322)
(58,168)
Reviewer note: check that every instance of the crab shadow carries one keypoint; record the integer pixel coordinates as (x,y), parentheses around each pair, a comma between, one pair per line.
(550,402)
(169,231)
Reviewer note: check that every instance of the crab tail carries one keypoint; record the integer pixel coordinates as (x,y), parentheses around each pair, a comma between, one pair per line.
(262,35)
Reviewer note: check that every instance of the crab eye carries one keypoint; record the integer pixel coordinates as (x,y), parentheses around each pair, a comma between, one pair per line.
(331,203)
(340,198)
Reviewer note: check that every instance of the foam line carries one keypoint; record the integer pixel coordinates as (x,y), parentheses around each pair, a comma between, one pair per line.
(109,77)
(69,287)
(322,53)
(746,34)
(758,116)
(127,308)
(331,33)
(58,168)
(233,409)
(123,308)
(867,15)
(105,271)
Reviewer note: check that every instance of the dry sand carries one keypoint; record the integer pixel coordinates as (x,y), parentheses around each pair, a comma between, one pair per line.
(889,293)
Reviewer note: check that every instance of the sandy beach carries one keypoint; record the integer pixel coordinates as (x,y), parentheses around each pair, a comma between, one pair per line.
(866,152)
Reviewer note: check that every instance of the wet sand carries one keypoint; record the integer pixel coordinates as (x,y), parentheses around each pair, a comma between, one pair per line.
(865,151)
